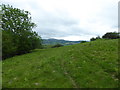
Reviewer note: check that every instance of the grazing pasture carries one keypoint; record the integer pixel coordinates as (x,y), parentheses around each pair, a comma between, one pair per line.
(86,65)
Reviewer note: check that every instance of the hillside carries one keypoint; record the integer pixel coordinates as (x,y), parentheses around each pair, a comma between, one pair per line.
(59,41)
(85,65)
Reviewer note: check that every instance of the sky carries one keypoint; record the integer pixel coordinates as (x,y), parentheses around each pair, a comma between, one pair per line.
(70,19)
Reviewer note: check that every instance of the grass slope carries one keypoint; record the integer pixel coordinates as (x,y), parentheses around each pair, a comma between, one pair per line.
(85,65)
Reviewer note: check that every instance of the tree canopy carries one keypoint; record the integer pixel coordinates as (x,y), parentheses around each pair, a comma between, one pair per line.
(111,35)
(17,34)
(108,35)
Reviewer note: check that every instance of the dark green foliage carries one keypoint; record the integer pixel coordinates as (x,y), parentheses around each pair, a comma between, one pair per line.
(18,37)
(98,37)
(111,35)
(108,35)
(7,44)
(92,39)
(83,41)
(57,45)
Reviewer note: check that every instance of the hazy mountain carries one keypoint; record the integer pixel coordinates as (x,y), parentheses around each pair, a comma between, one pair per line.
(59,41)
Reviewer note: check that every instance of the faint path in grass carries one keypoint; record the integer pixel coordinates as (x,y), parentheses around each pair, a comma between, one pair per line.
(69,76)
(63,67)
(71,79)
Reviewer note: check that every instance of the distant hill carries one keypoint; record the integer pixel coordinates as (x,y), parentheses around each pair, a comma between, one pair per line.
(59,41)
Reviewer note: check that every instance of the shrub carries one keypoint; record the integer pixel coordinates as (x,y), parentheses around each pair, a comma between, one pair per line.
(83,41)
(92,39)
(111,35)
(57,45)
(8,48)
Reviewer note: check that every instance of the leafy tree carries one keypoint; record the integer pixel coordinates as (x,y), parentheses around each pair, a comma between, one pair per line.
(7,45)
(98,37)
(111,35)
(17,31)
(92,39)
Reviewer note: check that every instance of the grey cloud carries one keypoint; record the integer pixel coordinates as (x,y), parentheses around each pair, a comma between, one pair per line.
(61,24)
(52,25)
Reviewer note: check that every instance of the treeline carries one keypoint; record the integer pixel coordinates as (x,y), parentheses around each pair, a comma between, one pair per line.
(108,35)
(17,35)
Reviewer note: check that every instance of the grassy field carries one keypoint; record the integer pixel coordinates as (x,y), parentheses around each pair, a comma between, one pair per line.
(86,65)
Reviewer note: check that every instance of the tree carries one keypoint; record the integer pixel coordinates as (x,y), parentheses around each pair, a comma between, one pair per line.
(17,26)
(7,45)
(92,39)
(98,37)
(111,35)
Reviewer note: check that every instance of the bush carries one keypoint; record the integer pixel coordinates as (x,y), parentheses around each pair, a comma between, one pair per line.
(8,48)
(92,39)
(57,45)
(111,35)
(83,41)
(98,37)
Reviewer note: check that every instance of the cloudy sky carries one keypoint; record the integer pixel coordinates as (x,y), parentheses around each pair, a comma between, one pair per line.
(71,19)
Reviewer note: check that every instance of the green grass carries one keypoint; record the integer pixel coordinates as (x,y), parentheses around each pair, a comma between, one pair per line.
(86,65)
